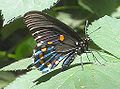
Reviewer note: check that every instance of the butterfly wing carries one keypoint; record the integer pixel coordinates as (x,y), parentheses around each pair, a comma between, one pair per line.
(55,40)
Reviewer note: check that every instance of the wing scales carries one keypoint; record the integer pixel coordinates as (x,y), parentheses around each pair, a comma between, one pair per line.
(45,30)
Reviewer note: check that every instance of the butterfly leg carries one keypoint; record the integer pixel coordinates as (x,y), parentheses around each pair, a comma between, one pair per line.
(87,56)
(101,56)
(95,57)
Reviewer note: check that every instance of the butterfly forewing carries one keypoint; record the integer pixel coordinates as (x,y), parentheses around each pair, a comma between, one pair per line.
(55,40)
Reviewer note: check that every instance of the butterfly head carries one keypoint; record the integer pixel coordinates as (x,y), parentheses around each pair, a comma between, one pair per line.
(82,46)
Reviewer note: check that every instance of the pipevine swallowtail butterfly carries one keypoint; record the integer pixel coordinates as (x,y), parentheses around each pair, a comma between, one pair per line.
(55,41)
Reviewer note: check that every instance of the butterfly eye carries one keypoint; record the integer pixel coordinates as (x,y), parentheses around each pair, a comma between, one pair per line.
(61,37)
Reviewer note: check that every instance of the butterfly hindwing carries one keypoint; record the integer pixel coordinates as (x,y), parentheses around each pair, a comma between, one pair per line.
(55,40)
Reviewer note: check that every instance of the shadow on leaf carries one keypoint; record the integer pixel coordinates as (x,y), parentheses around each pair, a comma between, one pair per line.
(49,75)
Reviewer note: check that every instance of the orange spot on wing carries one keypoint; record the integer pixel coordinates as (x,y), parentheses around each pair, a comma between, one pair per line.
(41,61)
(43,49)
(48,64)
(56,62)
(61,37)
(49,42)
(41,56)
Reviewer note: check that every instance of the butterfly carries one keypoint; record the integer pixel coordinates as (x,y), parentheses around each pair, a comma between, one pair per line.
(55,41)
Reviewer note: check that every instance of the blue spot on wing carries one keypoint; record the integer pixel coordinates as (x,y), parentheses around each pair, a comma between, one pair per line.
(41,67)
(37,59)
(37,53)
(51,57)
(45,70)
(59,59)
(47,56)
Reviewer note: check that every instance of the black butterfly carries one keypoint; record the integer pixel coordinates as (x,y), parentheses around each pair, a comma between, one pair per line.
(55,41)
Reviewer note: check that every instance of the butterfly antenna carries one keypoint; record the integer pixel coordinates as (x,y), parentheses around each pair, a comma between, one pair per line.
(85,29)
(94,30)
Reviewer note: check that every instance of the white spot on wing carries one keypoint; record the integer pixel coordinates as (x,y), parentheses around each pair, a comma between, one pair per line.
(35,33)
(38,37)
(40,43)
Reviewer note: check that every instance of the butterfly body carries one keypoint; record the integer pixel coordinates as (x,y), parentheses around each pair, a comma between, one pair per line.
(55,41)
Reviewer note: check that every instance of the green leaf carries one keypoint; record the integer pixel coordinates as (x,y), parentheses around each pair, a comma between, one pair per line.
(8,30)
(25,48)
(116,13)
(108,36)
(15,8)
(99,7)
(92,77)
(5,78)
(24,82)
(67,19)
(19,65)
